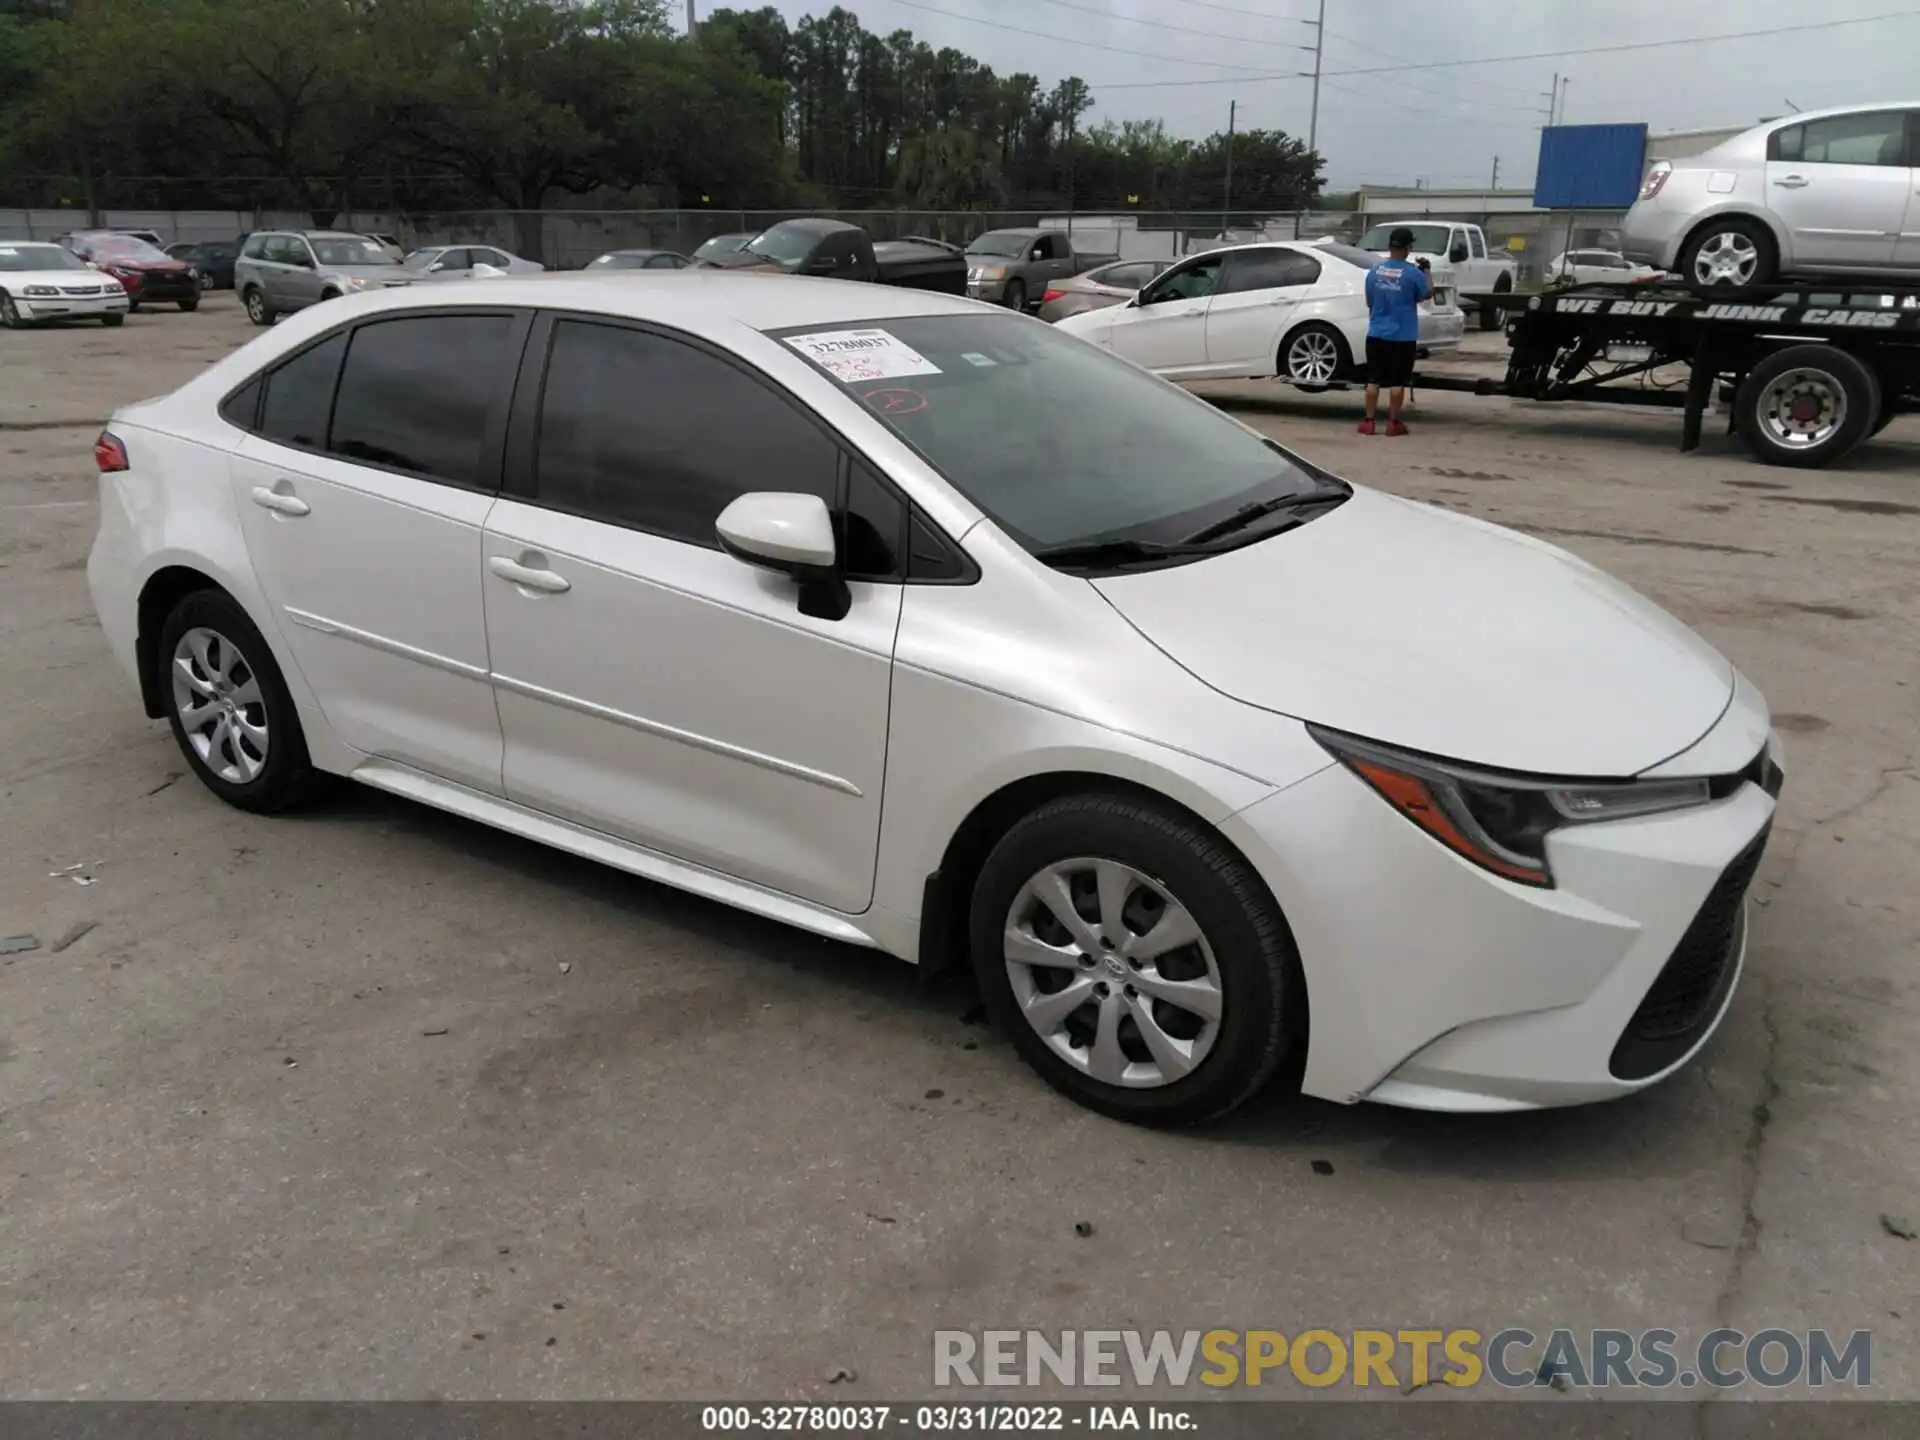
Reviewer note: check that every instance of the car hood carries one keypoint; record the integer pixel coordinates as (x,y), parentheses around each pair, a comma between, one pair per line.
(18,279)
(1443,634)
(146,267)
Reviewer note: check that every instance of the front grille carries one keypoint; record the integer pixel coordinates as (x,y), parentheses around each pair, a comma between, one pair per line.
(1689,991)
(83,289)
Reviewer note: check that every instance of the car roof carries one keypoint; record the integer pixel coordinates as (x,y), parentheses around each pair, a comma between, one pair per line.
(696,299)
(1798,116)
(638,250)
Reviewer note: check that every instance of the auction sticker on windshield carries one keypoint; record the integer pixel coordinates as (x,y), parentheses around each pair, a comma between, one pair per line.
(851,356)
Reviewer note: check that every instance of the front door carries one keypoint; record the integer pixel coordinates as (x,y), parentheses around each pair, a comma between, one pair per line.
(1165,329)
(1906,252)
(1841,187)
(1258,295)
(652,687)
(362,497)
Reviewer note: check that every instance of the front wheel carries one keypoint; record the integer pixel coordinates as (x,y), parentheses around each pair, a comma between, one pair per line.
(9,313)
(1136,962)
(229,707)
(190,305)
(1490,316)
(113,322)
(1016,295)
(1314,356)
(1806,405)
(132,305)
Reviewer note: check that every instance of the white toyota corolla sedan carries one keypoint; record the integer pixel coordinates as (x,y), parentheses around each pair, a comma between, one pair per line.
(1292,310)
(915,623)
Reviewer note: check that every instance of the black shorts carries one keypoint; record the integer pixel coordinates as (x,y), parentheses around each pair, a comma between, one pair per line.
(1390,362)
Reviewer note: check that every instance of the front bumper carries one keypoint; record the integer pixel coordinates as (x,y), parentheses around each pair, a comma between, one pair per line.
(1435,984)
(112,300)
(990,290)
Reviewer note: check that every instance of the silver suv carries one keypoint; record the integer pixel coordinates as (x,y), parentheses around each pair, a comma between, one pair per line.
(281,270)
(1827,192)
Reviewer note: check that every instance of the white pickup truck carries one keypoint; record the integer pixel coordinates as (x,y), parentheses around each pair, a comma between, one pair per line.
(1477,269)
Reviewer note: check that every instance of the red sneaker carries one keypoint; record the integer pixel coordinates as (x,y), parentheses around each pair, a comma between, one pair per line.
(1395,427)
(1366,427)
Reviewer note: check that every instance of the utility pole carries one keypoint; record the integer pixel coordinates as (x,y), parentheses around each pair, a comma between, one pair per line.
(1494,184)
(1226,204)
(1553,98)
(1319,44)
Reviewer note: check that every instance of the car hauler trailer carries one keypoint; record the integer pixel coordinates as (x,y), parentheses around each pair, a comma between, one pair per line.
(1810,370)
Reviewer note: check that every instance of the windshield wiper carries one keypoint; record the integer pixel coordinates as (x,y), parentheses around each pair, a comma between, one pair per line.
(1113,552)
(1260,509)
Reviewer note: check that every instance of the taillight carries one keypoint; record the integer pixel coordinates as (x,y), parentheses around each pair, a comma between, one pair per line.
(1656,177)
(109,454)
(1051,294)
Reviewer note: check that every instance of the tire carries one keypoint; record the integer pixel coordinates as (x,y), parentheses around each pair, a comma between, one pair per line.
(113,322)
(9,314)
(1840,394)
(1016,296)
(329,295)
(1491,317)
(1158,857)
(189,306)
(1888,410)
(1728,255)
(133,305)
(1313,357)
(229,661)
(259,311)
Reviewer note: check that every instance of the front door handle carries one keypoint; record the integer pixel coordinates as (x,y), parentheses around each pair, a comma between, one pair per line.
(1189,314)
(1792,182)
(280,499)
(529,573)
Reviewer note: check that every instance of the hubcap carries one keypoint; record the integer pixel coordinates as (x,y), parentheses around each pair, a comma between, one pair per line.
(1313,358)
(1802,408)
(217,696)
(256,307)
(1729,258)
(1113,973)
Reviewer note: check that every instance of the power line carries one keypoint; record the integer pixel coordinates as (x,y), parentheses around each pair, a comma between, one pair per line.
(1073,40)
(1536,55)
(1373,51)
(1392,104)
(1163,25)
(1463,100)
(1241,10)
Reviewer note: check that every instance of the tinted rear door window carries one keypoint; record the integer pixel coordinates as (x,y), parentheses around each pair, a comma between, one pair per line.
(416,394)
(300,395)
(651,432)
(1268,270)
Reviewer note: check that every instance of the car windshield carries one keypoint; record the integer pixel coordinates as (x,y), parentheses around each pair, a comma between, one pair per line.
(421,259)
(1061,443)
(722,245)
(999,242)
(124,247)
(785,244)
(38,257)
(350,250)
(1428,239)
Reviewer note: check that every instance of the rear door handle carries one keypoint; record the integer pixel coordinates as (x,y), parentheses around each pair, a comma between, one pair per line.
(280,499)
(1792,182)
(529,573)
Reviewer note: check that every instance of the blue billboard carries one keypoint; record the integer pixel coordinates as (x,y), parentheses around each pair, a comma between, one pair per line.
(1590,167)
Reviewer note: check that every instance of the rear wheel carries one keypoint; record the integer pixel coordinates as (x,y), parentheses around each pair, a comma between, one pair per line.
(1729,254)
(1490,316)
(229,708)
(1136,962)
(1016,295)
(1314,356)
(258,310)
(1806,405)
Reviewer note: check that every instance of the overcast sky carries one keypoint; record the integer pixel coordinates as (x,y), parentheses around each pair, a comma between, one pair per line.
(1441,125)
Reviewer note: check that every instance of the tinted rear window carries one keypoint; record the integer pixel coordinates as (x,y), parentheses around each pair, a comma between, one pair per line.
(416,394)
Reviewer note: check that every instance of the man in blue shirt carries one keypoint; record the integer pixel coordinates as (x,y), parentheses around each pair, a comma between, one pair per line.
(1395,288)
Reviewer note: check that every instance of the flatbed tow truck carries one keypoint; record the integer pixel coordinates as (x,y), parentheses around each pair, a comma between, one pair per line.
(1810,370)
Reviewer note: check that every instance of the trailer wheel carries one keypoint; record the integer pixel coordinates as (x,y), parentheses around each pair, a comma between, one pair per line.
(1492,315)
(1806,405)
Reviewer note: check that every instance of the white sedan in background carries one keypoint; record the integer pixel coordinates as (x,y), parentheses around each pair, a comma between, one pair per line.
(915,623)
(463,262)
(1588,267)
(1287,309)
(39,282)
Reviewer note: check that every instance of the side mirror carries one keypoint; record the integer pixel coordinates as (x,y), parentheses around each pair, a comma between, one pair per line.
(1457,254)
(793,534)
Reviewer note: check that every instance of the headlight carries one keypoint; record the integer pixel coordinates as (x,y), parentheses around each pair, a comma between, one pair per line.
(358,282)
(1500,822)
(40,290)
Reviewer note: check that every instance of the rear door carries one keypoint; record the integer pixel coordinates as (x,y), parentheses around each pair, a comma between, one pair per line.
(1842,186)
(1906,253)
(1254,307)
(1165,329)
(300,274)
(650,685)
(362,491)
